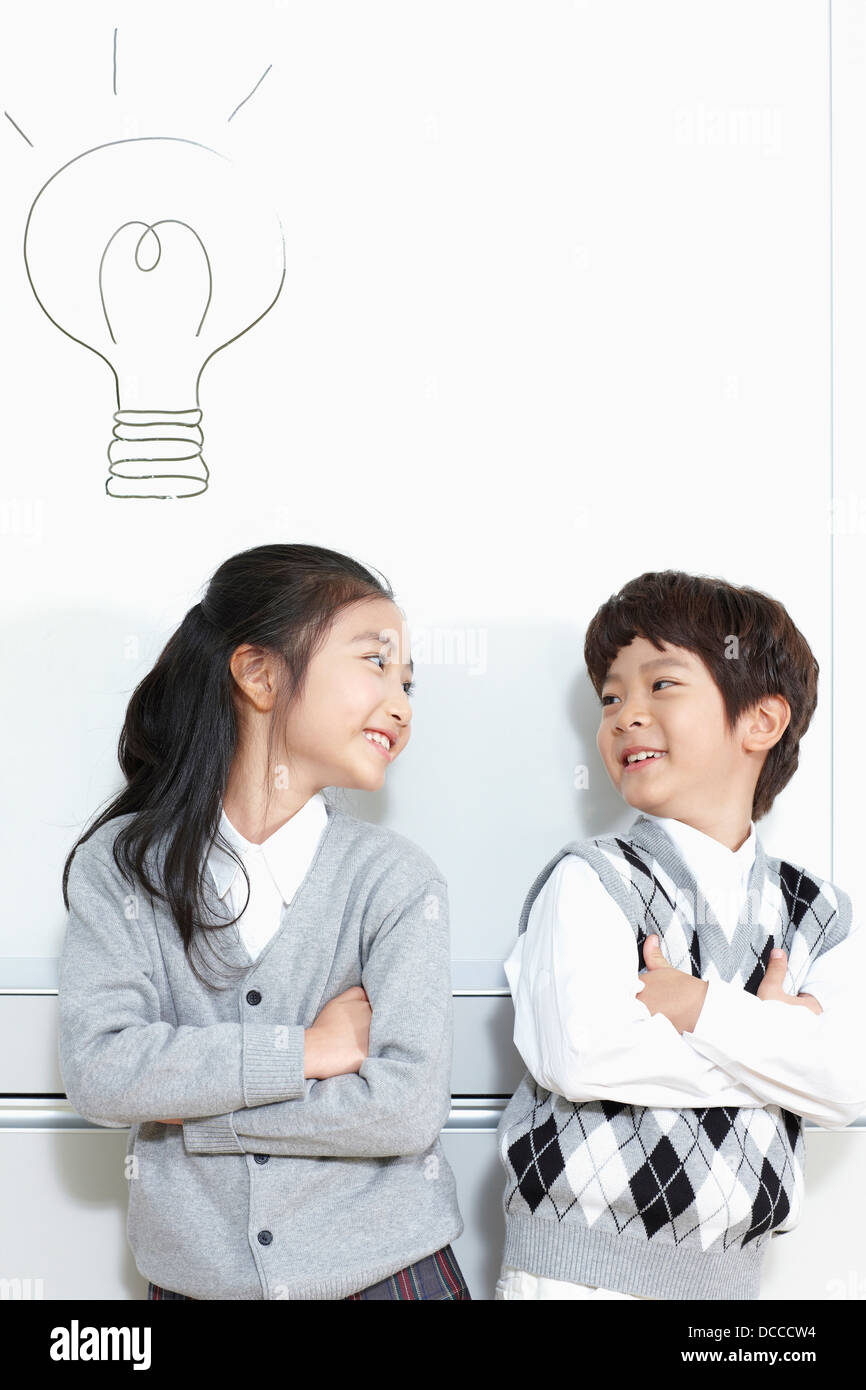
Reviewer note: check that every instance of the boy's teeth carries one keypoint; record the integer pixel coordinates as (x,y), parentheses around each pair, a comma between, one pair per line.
(639,757)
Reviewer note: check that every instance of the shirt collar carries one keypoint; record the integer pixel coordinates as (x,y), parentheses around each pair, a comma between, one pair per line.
(287,853)
(707,857)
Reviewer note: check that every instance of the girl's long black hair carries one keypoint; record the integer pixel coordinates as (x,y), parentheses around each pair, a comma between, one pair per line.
(180,733)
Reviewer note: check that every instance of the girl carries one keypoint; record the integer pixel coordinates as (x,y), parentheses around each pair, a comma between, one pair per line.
(307,1090)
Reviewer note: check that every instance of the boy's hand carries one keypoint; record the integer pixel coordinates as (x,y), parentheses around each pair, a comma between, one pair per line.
(774,978)
(680,997)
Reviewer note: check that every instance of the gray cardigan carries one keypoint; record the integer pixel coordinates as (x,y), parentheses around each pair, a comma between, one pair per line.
(273,1187)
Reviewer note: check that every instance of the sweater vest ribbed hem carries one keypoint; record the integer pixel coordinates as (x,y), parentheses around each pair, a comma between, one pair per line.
(581,1255)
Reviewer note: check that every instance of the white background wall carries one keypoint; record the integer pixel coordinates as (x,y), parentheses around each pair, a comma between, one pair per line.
(557,311)
(574,290)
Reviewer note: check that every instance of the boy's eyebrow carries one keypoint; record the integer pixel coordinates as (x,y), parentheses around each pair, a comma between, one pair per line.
(377,637)
(668,661)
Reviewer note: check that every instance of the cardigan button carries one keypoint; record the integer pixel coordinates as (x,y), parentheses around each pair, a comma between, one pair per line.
(253,997)
(261,1158)
(265,1237)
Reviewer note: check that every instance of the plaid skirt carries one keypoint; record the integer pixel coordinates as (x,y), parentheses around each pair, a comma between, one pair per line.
(437,1276)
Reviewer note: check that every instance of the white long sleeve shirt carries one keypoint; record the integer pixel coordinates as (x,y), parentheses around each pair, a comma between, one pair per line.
(584,1034)
(276,868)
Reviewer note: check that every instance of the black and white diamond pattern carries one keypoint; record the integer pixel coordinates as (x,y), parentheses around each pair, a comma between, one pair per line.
(714,1178)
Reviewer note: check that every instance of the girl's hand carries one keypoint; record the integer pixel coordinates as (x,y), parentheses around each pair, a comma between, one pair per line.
(339,1040)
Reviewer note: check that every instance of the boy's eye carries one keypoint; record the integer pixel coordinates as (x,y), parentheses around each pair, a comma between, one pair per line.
(662,681)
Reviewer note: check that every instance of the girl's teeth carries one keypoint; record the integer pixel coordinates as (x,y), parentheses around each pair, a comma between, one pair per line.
(377,738)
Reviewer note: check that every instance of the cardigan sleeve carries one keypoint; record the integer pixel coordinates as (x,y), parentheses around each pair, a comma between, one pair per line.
(120,1063)
(400,1099)
(577,1023)
(812,1064)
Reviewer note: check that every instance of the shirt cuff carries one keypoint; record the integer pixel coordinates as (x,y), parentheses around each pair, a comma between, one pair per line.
(273,1063)
(211,1134)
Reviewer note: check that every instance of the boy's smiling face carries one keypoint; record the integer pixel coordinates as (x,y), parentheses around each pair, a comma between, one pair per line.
(668,701)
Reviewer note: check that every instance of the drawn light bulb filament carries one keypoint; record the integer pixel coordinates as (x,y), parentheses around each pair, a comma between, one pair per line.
(155,287)
(149,242)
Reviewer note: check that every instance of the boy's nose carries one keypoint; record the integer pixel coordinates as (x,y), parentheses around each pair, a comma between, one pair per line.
(627,718)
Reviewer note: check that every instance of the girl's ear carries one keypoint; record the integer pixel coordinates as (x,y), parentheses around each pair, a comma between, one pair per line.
(253,670)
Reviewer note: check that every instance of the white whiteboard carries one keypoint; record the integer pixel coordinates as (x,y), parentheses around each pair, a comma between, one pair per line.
(557,310)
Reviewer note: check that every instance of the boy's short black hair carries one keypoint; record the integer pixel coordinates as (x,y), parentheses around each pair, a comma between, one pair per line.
(701,614)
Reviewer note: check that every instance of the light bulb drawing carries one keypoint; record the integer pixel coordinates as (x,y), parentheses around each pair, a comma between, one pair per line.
(155,254)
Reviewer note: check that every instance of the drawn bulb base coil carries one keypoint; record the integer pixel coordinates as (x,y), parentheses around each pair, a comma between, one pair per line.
(156,453)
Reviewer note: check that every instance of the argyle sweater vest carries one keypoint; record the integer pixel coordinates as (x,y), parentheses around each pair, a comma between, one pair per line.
(659,1202)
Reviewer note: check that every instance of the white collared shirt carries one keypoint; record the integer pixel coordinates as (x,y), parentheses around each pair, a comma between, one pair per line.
(721,874)
(584,1034)
(276,869)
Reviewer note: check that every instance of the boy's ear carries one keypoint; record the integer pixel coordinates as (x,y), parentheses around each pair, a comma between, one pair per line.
(765,723)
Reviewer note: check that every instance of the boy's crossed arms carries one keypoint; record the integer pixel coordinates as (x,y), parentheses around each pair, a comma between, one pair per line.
(680,997)
(679,1042)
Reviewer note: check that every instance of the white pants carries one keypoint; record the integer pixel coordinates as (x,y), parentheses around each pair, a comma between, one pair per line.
(516,1283)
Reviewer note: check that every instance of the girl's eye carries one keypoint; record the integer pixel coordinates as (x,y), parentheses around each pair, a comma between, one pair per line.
(408,686)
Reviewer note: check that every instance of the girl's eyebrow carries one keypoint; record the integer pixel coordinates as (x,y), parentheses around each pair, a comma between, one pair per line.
(376,637)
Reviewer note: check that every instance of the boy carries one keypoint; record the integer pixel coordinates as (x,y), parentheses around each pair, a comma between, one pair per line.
(656,1144)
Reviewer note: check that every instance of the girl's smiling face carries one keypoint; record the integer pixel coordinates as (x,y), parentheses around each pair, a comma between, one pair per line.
(359,680)
(668,701)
